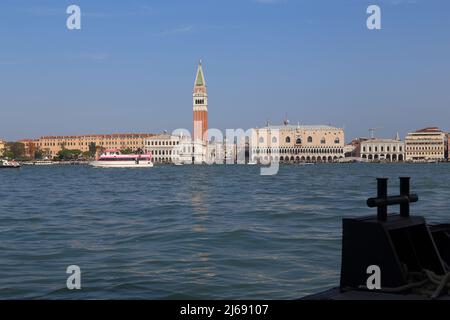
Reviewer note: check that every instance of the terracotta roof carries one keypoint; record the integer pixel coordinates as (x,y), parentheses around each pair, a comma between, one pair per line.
(301,127)
(429,129)
(115,135)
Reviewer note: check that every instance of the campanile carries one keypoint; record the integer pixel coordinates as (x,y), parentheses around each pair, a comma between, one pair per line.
(200,106)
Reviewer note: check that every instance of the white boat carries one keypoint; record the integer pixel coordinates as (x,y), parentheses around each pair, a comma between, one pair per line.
(252,163)
(9,164)
(115,159)
(44,163)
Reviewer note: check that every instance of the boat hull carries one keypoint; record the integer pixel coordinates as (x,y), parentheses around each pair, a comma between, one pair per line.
(121,164)
(6,164)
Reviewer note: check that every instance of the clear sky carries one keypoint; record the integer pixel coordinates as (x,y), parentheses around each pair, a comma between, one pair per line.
(131,67)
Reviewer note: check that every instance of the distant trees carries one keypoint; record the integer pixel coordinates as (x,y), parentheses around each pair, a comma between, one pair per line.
(14,150)
(68,154)
(76,154)
(86,155)
(42,154)
(38,154)
(126,151)
(131,151)
(92,150)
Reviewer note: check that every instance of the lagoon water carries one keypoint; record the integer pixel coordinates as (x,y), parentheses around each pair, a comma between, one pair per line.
(190,232)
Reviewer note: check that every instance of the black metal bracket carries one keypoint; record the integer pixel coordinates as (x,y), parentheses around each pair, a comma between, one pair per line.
(382,201)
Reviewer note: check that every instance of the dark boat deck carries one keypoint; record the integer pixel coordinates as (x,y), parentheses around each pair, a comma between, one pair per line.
(336,294)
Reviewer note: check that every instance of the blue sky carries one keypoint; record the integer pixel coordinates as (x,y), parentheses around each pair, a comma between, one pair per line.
(131,67)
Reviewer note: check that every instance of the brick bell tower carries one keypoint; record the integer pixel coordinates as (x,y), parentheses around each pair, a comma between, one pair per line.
(200,106)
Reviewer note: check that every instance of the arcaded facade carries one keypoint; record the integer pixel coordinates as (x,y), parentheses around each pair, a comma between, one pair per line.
(297,143)
(390,150)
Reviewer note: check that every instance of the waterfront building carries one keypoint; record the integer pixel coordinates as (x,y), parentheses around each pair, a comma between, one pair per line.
(353,149)
(51,145)
(192,152)
(222,152)
(164,148)
(297,143)
(425,145)
(391,150)
(349,150)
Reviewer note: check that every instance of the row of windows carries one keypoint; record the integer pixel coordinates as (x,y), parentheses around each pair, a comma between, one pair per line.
(94,139)
(164,152)
(199,101)
(162,159)
(163,143)
(299,140)
(440,142)
(174,151)
(107,143)
(424,148)
(425,153)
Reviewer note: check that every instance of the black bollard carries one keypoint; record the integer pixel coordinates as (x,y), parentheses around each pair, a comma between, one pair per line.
(383,201)
(404,191)
(382,194)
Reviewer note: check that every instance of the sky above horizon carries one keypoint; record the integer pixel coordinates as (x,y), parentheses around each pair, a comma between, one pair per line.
(131,68)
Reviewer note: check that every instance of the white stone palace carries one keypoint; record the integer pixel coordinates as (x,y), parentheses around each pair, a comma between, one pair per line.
(164,148)
(297,143)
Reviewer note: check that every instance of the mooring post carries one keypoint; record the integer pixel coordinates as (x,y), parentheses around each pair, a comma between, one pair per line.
(382,194)
(404,191)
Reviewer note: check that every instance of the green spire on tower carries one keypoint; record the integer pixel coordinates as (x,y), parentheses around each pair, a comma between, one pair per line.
(200,79)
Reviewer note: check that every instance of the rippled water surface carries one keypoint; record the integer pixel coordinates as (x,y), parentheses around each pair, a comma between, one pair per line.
(189,232)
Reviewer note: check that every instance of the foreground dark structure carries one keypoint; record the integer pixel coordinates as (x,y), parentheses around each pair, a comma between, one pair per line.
(413,256)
